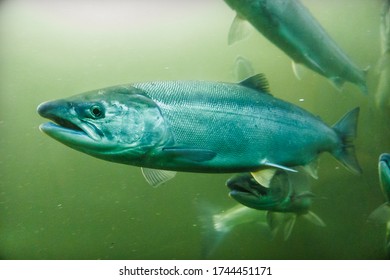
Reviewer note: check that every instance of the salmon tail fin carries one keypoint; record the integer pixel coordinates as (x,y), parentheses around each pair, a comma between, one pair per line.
(212,233)
(346,129)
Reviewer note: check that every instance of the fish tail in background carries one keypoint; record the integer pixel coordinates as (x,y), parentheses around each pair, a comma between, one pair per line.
(346,129)
(215,224)
(211,235)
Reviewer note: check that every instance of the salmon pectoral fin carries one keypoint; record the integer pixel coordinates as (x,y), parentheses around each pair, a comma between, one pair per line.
(265,175)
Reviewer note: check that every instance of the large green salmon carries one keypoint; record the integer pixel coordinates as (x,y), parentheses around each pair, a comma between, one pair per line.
(197,126)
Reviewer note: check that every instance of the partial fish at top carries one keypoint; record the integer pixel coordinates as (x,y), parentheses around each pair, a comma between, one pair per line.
(291,27)
(197,126)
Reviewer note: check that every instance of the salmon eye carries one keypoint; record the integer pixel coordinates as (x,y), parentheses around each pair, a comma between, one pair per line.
(96,111)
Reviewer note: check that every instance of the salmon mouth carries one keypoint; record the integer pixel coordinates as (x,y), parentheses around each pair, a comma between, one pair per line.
(62,127)
(65,127)
(246,185)
(68,127)
(66,124)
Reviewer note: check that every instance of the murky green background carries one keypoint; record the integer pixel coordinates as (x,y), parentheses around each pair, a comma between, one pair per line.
(57,203)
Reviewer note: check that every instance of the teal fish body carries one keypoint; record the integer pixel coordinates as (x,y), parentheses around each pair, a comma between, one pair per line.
(291,27)
(245,128)
(196,126)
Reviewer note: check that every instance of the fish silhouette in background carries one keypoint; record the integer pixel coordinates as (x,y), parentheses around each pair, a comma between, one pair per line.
(290,26)
(382,95)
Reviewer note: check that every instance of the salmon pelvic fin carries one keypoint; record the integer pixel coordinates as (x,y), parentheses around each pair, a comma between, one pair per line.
(346,129)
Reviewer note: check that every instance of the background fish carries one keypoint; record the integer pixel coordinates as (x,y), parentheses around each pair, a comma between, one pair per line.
(292,28)
(288,193)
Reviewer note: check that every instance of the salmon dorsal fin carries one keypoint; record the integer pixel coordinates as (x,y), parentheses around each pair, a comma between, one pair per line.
(258,82)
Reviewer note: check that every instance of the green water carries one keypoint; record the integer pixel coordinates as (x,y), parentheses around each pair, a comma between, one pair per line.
(57,203)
